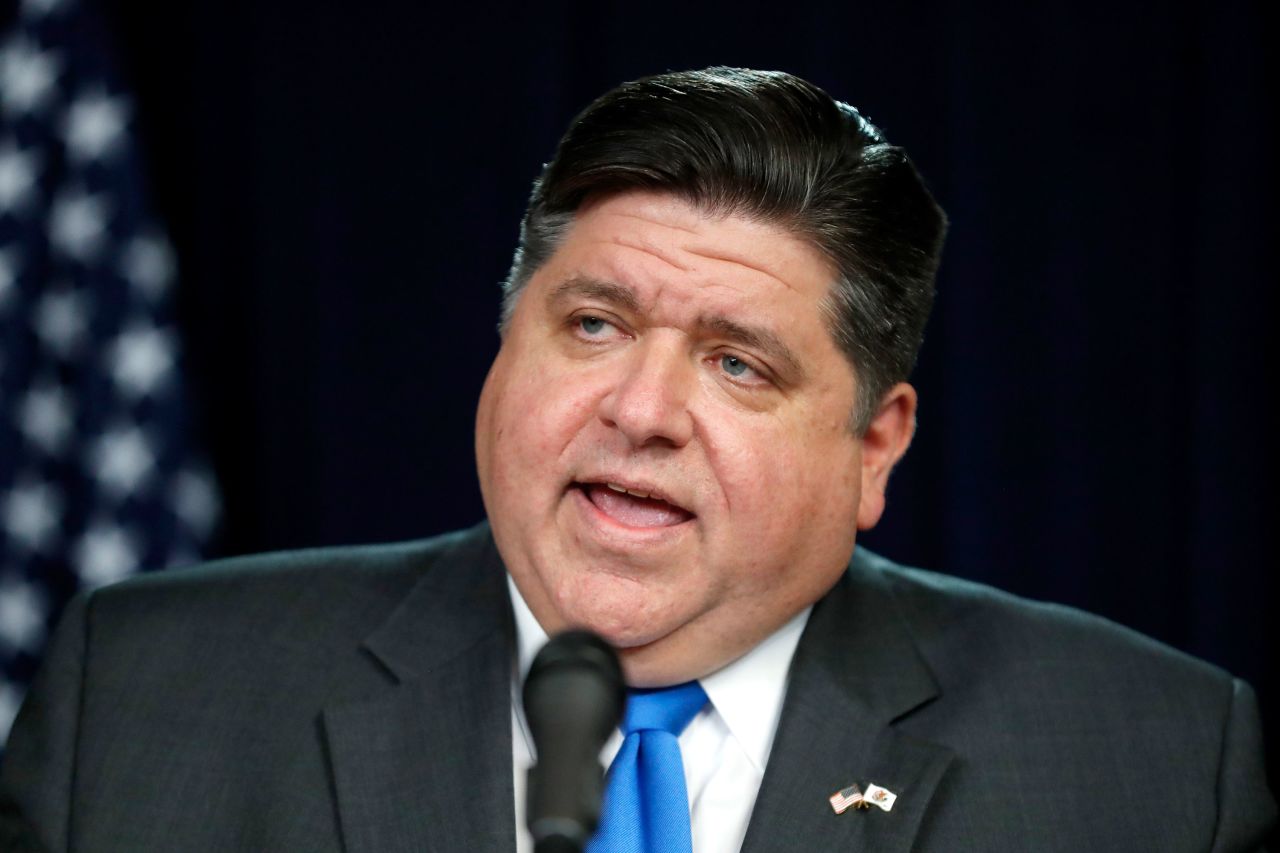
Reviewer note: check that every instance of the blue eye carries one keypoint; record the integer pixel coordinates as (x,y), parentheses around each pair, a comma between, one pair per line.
(733,365)
(592,325)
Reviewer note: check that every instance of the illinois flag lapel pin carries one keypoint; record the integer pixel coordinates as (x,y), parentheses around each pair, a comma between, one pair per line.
(882,797)
(844,798)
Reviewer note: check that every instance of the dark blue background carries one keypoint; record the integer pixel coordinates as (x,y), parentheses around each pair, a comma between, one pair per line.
(344,183)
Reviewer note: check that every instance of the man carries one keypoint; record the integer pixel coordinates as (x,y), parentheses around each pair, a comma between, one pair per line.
(721,286)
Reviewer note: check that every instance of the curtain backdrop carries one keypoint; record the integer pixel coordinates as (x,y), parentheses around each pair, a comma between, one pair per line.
(343,183)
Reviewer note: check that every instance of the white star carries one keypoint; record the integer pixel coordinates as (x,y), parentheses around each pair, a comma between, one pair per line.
(31,513)
(10,701)
(78,224)
(195,500)
(122,461)
(45,417)
(94,125)
(27,76)
(141,358)
(104,554)
(147,262)
(61,319)
(8,276)
(21,616)
(18,170)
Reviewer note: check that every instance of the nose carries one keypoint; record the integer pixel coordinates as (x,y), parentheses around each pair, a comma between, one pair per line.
(649,401)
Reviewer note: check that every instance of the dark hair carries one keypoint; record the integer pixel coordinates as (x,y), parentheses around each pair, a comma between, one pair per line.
(772,147)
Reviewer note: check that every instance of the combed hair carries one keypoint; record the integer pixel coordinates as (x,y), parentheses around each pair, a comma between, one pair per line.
(774,148)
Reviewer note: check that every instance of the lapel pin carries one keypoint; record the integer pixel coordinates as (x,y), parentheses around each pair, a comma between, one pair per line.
(877,796)
(844,798)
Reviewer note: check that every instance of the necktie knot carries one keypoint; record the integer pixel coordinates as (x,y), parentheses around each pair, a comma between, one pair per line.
(666,709)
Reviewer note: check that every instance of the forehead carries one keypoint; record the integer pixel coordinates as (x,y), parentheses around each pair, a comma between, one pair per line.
(673,253)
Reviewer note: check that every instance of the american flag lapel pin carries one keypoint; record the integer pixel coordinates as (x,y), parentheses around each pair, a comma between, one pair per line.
(844,798)
(881,797)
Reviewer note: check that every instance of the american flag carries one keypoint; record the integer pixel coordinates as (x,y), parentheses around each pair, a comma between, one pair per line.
(99,478)
(845,797)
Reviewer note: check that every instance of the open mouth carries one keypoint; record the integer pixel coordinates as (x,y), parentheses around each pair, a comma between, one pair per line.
(633,508)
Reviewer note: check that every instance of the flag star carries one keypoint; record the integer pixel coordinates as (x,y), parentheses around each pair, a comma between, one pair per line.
(104,554)
(148,264)
(61,320)
(22,609)
(195,500)
(18,170)
(94,126)
(27,76)
(10,701)
(31,513)
(78,224)
(45,417)
(141,358)
(122,461)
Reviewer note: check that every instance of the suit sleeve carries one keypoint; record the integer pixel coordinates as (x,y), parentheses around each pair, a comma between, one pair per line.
(39,762)
(1246,809)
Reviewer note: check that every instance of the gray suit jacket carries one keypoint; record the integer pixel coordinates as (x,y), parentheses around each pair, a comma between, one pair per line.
(359,700)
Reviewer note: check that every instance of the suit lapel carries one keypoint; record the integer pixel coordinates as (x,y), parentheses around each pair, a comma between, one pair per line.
(426,763)
(855,673)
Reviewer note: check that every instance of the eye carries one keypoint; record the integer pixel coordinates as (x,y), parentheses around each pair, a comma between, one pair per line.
(592,325)
(734,366)
(742,372)
(594,329)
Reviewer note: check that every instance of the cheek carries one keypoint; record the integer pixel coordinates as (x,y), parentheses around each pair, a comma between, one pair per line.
(788,498)
(529,417)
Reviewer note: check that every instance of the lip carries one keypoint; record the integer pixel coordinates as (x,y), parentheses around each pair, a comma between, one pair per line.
(632,485)
(609,531)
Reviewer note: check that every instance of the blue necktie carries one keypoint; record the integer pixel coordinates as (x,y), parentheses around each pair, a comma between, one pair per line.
(646,805)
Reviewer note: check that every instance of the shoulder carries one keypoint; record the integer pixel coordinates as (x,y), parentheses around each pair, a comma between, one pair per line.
(977,638)
(373,566)
(315,597)
(1039,703)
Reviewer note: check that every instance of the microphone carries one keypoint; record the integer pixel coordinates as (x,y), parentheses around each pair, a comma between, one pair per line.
(573,700)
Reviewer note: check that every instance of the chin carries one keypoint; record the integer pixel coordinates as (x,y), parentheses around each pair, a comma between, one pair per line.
(622,630)
(618,609)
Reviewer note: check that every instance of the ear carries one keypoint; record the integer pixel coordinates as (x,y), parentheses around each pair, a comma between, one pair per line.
(886,440)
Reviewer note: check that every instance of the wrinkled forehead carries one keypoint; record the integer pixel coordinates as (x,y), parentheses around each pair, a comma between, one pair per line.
(657,243)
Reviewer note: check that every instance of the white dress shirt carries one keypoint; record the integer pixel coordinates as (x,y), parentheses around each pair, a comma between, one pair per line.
(724,749)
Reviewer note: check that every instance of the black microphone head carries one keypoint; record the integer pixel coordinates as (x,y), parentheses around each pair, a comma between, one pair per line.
(574,696)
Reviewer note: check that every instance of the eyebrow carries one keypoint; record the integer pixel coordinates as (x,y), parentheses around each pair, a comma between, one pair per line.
(758,339)
(608,291)
(749,337)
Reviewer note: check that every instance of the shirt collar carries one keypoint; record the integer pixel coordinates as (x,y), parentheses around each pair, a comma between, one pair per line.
(746,693)
(529,634)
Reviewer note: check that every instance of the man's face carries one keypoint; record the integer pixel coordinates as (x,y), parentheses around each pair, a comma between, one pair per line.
(663,440)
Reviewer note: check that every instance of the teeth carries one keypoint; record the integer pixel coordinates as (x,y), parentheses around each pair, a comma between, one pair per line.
(626,491)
